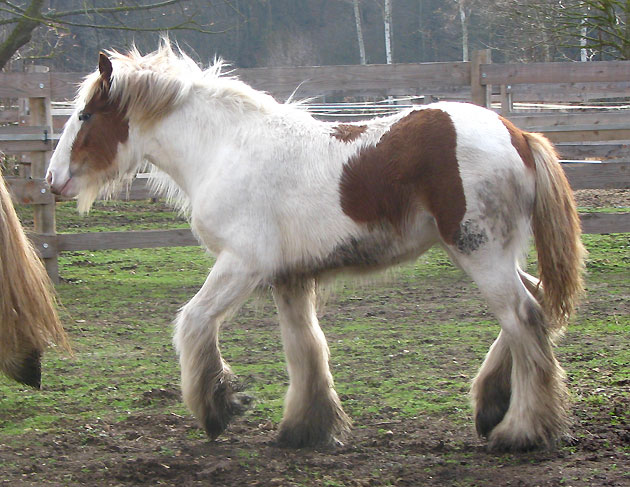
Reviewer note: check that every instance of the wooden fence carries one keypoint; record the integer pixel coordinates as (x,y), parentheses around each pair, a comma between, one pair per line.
(586,134)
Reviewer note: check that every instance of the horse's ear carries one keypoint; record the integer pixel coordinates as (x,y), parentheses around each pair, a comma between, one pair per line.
(105,68)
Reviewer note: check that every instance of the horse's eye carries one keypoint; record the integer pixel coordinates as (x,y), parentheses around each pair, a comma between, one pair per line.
(84,117)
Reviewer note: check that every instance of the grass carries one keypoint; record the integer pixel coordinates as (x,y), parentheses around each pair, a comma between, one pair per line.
(110,216)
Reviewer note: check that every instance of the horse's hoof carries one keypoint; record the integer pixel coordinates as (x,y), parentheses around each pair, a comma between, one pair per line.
(295,444)
(488,419)
(501,440)
(304,437)
(245,401)
(500,446)
(29,370)
(232,406)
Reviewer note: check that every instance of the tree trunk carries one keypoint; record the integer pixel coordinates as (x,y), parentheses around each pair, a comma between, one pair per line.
(583,51)
(387,18)
(625,45)
(422,40)
(464,23)
(357,19)
(22,32)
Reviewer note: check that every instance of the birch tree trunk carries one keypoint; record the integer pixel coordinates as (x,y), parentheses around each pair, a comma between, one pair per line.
(464,23)
(357,19)
(583,52)
(387,18)
(423,47)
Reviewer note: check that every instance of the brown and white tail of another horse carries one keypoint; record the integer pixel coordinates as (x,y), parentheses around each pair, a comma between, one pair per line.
(28,317)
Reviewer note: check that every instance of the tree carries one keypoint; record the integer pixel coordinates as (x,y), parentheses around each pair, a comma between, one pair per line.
(521,31)
(598,28)
(21,20)
(464,23)
(387,19)
(357,20)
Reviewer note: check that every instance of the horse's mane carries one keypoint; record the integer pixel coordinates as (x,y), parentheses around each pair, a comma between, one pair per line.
(147,87)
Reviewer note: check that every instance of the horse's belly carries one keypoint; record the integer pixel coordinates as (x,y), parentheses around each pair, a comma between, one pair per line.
(380,248)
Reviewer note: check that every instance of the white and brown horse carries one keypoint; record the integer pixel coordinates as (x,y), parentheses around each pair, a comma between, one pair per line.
(28,316)
(284,200)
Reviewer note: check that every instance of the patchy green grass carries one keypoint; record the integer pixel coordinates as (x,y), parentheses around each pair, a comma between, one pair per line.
(110,216)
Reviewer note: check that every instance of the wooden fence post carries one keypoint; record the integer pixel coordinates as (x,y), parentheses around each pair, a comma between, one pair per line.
(24,169)
(506,100)
(481,93)
(43,214)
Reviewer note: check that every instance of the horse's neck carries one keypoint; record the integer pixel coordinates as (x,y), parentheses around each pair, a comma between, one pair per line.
(188,145)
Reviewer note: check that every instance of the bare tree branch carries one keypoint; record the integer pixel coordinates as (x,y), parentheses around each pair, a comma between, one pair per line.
(16,8)
(22,32)
(601,26)
(186,25)
(109,10)
(22,22)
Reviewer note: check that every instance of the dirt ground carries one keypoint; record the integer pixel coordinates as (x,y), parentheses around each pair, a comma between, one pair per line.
(407,453)
(383,450)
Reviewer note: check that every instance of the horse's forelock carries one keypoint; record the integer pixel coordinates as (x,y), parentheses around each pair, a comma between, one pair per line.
(88,89)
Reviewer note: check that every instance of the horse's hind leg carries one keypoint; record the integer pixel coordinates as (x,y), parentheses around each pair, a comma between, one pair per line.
(491,390)
(519,394)
(208,384)
(313,413)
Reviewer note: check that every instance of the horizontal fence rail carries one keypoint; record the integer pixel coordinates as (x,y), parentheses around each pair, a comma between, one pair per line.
(609,151)
(590,79)
(589,72)
(50,245)
(595,93)
(302,82)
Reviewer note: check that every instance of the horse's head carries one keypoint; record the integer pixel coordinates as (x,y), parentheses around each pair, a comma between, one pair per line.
(87,156)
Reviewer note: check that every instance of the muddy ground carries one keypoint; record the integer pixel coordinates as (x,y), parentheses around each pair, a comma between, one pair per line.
(382,450)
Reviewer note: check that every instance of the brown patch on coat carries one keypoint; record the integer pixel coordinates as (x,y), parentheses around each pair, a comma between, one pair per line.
(414,164)
(96,143)
(519,141)
(348,133)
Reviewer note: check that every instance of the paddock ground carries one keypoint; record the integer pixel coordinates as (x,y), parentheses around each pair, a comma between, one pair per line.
(404,349)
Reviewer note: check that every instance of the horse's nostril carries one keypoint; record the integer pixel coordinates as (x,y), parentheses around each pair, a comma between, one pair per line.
(49,178)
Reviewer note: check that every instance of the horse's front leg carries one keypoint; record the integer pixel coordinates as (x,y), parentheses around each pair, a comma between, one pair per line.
(313,414)
(208,384)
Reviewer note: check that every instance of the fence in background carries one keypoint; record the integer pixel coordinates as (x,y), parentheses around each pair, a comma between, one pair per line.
(515,90)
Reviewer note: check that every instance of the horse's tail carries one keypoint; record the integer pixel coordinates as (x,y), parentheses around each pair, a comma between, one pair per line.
(28,316)
(557,233)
